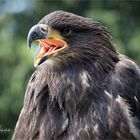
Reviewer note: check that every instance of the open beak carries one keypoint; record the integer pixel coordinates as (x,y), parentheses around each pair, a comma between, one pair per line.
(50,42)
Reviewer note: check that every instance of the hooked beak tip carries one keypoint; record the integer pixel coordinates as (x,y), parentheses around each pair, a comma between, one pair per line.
(36,33)
(29,42)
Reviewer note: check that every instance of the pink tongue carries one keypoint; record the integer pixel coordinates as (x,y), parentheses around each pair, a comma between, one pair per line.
(51,43)
(51,49)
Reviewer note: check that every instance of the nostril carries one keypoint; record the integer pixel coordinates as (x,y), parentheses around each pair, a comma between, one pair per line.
(43,29)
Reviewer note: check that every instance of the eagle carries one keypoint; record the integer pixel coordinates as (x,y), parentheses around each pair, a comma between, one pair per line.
(82,88)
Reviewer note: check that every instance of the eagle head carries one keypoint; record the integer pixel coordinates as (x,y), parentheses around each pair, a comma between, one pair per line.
(71,38)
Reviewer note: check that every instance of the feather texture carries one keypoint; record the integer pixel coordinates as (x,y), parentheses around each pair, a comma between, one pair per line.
(86,92)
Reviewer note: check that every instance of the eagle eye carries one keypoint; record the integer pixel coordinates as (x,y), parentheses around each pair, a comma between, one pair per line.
(66,31)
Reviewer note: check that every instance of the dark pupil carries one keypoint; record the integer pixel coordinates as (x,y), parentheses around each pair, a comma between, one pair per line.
(66,31)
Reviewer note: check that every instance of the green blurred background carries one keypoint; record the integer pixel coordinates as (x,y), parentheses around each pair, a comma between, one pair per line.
(16,62)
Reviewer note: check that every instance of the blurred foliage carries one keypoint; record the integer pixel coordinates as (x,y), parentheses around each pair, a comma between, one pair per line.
(16,62)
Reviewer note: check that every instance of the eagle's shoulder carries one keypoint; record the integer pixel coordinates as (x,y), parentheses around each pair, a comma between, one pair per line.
(127,79)
(126,83)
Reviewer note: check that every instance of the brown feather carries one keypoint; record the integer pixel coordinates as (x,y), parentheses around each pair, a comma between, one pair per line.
(76,94)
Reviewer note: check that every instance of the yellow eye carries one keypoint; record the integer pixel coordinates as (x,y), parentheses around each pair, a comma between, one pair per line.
(66,31)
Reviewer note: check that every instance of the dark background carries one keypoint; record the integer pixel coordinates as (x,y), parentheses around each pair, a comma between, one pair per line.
(16,61)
